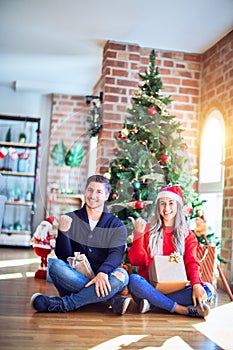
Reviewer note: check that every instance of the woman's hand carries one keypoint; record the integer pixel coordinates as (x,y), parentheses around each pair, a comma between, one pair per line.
(139,224)
(199,295)
(102,285)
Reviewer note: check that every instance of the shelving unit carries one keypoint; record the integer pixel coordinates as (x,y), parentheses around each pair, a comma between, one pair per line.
(18,167)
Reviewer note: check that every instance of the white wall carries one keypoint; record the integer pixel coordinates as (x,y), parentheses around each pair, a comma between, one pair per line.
(37,105)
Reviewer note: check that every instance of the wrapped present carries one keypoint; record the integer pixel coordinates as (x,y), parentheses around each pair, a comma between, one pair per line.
(81,264)
(167,273)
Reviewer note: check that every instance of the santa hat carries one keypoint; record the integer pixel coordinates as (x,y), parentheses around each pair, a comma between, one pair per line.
(173,192)
(49,221)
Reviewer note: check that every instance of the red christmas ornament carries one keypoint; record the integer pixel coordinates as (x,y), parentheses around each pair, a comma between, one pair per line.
(165,159)
(152,111)
(139,205)
(135,130)
(119,135)
(115,196)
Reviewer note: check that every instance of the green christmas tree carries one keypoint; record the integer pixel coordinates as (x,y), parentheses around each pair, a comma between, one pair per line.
(151,152)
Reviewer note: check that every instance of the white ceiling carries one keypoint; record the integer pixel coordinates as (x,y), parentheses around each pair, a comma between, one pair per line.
(56,45)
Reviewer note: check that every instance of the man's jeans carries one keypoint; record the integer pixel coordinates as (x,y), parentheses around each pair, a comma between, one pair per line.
(141,289)
(71,285)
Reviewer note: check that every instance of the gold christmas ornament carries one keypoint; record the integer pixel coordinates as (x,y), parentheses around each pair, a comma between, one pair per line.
(107,175)
(124,132)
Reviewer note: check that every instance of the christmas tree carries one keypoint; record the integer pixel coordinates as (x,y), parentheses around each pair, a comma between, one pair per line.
(151,152)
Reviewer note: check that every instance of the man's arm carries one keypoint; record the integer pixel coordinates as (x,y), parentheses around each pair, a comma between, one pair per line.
(63,247)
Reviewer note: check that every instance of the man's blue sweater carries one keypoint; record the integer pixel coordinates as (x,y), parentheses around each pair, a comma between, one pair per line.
(104,246)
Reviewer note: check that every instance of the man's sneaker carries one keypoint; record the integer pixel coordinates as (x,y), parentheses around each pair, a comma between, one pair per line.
(119,304)
(195,311)
(43,303)
(144,306)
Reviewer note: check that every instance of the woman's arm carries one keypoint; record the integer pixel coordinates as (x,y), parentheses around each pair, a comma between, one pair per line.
(138,252)
(193,270)
(191,261)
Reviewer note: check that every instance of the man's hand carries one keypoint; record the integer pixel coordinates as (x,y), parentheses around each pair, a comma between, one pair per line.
(199,294)
(102,285)
(64,222)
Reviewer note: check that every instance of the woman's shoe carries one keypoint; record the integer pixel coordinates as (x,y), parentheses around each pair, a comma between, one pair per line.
(196,311)
(144,306)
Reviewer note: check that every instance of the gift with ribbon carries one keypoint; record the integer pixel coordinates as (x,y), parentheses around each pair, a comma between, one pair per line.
(81,264)
(167,273)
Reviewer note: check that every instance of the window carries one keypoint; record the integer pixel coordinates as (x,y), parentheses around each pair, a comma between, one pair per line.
(211,172)
(212,154)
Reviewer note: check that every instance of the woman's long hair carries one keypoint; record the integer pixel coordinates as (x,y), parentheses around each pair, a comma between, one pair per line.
(180,230)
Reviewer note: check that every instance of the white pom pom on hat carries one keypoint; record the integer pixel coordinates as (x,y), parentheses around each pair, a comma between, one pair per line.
(173,192)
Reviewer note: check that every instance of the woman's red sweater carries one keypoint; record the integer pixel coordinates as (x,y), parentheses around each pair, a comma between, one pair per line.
(139,254)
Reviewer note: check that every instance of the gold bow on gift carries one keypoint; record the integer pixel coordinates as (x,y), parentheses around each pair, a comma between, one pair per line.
(174,257)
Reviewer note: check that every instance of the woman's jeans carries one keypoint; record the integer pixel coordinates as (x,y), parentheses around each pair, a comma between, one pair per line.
(71,285)
(141,289)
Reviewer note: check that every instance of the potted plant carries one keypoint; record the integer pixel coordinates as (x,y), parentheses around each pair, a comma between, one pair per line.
(67,157)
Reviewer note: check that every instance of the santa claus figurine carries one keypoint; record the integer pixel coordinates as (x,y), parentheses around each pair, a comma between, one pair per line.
(43,242)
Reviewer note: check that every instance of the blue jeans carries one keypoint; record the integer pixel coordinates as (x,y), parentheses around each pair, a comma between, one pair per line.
(141,289)
(71,285)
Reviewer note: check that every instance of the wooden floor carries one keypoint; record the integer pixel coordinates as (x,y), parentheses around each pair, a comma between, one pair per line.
(94,327)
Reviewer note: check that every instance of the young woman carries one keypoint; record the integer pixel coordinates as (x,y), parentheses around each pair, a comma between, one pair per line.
(168,233)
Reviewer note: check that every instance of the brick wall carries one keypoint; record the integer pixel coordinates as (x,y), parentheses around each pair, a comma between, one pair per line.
(217,93)
(68,124)
(180,73)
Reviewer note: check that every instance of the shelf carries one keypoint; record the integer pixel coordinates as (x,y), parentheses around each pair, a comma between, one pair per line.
(17,219)
(15,232)
(17,144)
(15,240)
(73,199)
(16,173)
(62,196)
(19,203)
(63,203)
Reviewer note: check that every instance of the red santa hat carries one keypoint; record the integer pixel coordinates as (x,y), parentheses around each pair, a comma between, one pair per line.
(173,192)
(49,221)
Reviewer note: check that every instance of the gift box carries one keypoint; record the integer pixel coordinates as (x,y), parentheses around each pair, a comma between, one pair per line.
(81,264)
(167,273)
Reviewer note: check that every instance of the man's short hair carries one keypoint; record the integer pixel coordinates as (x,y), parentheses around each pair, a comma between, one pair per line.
(101,179)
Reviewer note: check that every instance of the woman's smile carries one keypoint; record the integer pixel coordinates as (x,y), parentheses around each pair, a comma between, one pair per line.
(168,210)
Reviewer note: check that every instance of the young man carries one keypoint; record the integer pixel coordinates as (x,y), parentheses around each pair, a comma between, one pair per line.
(102,237)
